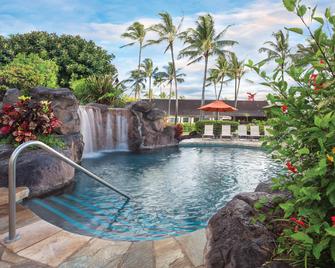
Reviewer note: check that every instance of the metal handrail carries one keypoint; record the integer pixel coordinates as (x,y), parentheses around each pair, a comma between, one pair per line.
(12,182)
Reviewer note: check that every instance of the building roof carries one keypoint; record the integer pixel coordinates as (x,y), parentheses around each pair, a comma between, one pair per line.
(190,107)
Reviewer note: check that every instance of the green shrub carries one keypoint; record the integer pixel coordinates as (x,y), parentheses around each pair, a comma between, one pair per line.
(200,125)
(28,71)
(188,127)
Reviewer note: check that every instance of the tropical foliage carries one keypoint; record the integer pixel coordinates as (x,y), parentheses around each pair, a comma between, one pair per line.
(76,58)
(27,120)
(28,71)
(303,137)
(149,72)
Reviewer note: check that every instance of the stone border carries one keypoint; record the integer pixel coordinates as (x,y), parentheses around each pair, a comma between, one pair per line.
(45,245)
(220,142)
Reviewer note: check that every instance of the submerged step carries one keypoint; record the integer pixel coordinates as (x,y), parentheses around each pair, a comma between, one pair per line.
(21,193)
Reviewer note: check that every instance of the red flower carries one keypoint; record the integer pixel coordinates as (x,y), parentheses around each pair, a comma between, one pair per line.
(322,62)
(284,109)
(291,168)
(5,130)
(298,222)
(7,107)
(333,220)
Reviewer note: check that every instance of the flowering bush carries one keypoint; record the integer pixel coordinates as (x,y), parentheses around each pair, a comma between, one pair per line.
(178,131)
(303,137)
(26,119)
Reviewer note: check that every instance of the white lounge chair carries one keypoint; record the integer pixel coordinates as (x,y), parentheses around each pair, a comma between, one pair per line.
(266,131)
(226,131)
(209,131)
(254,132)
(242,131)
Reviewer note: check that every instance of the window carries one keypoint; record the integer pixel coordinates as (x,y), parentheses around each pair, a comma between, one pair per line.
(185,119)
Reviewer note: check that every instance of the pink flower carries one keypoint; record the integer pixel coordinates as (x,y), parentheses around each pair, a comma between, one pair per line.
(333,220)
(5,130)
(284,109)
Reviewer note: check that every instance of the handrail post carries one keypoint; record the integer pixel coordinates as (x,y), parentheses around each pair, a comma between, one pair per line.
(12,236)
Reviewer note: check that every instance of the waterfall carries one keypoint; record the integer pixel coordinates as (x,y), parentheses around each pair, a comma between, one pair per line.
(103,129)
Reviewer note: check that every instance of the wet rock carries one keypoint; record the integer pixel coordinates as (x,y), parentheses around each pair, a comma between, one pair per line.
(142,106)
(234,239)
(155,114)
(11,96)
(64,104)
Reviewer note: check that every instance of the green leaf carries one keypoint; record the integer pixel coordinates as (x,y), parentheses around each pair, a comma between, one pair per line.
(319,19)
(289,4)
(296,30)
(303,151)
(302,10)
(331,231)
(317,249)
(328,13)
(288,209)
(302,237)
(332,249)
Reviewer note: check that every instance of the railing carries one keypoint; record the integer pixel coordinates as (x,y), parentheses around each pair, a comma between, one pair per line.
(12,236)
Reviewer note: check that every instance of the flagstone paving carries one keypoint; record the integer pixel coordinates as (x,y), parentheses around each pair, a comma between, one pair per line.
(45,245)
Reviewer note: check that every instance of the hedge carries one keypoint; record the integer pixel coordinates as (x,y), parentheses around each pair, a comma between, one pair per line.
(200,125)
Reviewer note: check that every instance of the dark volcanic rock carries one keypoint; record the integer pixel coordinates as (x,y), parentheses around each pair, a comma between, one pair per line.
(11,96)
(146,129)
(65,107)
(155,114)
(234,240)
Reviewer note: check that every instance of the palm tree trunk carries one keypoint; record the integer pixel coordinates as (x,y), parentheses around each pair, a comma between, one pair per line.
(137,93)
(237,90)
(204,86)
(216,95)
(150,92)
(170,95)
(235,86)
(221,86)
(175,82)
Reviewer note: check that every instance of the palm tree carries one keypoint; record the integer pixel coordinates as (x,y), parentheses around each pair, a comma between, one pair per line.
(136,81)
(237,70)
(168,32)
(213,80)
(278,51)
(149,71)
(136,32)
(203,42)
(168,76)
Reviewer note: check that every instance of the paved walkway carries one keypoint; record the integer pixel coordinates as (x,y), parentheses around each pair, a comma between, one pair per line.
(222,142)
(45,245)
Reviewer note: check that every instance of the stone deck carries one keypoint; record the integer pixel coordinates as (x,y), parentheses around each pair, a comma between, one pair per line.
(45,245)
(220,142)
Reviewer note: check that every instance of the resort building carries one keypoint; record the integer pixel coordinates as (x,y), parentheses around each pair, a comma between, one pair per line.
(189,113)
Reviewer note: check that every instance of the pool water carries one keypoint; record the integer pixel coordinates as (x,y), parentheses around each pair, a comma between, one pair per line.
(173,191)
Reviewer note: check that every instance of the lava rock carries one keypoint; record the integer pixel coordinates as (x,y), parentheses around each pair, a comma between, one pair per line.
(142,106)
(65,107)
(11,96)
(155,114)
(234,239)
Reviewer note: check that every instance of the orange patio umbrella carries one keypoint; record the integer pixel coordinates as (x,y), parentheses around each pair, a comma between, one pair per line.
(217,106)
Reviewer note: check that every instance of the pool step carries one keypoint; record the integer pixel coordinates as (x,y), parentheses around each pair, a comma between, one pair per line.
(21,193)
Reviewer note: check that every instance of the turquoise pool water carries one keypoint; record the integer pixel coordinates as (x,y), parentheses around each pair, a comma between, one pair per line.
(173,191)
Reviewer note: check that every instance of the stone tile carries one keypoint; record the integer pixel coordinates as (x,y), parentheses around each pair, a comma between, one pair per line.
(55,249)
(29,264)
(193,245)
(169,254)
(140,254)
(4,264)
(8,256)
(21,193)
(97,253)
(31,234)
(24,217)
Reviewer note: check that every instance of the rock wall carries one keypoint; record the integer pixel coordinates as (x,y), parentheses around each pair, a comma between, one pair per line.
(147,129)
(235,240)
(37,169)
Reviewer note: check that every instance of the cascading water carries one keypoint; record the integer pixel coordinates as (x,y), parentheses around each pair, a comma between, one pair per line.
(103,129)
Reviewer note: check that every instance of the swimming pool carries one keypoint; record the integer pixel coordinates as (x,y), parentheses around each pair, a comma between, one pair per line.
(174,191)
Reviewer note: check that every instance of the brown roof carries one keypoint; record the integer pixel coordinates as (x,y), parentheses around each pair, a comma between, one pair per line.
(189,107)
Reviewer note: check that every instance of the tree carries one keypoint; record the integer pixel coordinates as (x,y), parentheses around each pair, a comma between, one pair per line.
(149,72)
(136,32)
(203,42)
(105,89)
(75,57)
(237,70)
(168,32)
(278,51)
(168,76)
(28,71)
(137,82)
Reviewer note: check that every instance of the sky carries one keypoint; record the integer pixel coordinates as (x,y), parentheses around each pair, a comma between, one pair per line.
(103,21)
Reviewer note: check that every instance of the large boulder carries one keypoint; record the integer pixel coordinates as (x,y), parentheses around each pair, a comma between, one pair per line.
(147,129)
(38,170)
(65,107)
(235,240)
(11,96)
